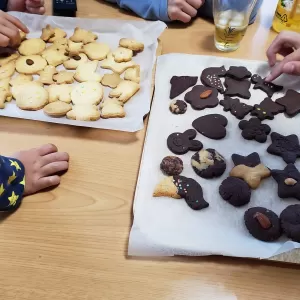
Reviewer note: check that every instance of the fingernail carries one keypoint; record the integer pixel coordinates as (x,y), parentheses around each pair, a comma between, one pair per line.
(292,68)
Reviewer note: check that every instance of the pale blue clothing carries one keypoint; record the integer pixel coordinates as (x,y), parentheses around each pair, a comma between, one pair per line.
(158,9)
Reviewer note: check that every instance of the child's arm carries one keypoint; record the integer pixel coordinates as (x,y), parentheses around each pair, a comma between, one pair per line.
(12,183)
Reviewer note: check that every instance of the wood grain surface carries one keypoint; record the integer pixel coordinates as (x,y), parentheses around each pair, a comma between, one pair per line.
(70,243)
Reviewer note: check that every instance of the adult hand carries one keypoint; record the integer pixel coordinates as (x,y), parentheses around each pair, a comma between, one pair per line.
(31,6)
(10,30)
(287,44)
(183,10)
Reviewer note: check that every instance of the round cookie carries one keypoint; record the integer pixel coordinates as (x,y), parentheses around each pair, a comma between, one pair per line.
(263,224)
(235,191)
(290,222)
(57,109)
(171,165)
(89,92)
(31,64)
(31,97)
(32,47)
(208,163)
(178,107)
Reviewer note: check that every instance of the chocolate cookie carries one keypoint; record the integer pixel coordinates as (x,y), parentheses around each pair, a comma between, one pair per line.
(268,87)
(208,163)
(210,77)
(238,73)
(237,108)
(181,143)
(254,130)
(178,107)
(211,126)
(191,191)
(235,191)
(267,109)
(291,102)
(201,97)
(263,224)
(252,160)
(285,146)
(238,88)
(171,165)
(290,222)
(180,84)
(288,182)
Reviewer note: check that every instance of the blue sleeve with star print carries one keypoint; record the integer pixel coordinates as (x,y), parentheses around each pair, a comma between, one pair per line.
(12,183)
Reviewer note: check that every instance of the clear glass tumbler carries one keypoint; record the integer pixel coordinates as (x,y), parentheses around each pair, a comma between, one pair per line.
(231,19)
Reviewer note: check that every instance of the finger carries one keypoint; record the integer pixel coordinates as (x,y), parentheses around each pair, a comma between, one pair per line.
(188,9)
(46,182)
(286,51)
(54,168)
(196,3)
(277,70)
(13,35)
(34,3)
(4,41)
(183,17)
(17,23)
(292,68)
(54,157)
(36,11)
(47,149)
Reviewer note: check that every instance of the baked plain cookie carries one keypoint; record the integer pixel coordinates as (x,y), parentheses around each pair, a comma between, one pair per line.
(60,92)
(73,62)
(5,58)
(74,48)
(58,34)
(84,112)
(87,72)
(31,97)
(32,47)
(19,87)
(20,79)
(57,109)
(46,75)
(122,54)
(125,90)
(31,64)
(111,80)
(59,45)
(5,94)
(89,93)
(133,74)
(112,108)
(96,51)
(54,57)
(109,63)
(64,77)
(7,70)
(23,36)
(84,36)
(47,33)
(131,44)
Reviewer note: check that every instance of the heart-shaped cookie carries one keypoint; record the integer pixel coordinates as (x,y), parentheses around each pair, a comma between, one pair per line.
(211,126)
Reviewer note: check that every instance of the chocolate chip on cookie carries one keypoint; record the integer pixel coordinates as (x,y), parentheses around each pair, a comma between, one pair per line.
(208,163)
(178,107)
(290,222)
(235,191)
(181,143)
(171,165)
(263,224)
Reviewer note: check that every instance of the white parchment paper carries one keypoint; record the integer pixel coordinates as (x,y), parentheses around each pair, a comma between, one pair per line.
(109,31)
(165,226)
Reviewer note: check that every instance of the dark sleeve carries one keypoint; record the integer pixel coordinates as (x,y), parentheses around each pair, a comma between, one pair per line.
(12,183)
(3,5)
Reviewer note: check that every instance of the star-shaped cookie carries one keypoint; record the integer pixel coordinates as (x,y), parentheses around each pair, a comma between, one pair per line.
(285,146)
(236,107)
(238,88)
(267,109)
(288,182)
(291,102)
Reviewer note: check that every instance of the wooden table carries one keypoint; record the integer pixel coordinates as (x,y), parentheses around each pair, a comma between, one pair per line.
(70,243)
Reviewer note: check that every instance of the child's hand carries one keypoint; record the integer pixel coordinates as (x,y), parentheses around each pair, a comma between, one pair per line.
(41,167)
(287,44)
(183,10)
(9,30)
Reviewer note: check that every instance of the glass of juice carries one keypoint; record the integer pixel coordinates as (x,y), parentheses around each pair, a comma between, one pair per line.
(231,19)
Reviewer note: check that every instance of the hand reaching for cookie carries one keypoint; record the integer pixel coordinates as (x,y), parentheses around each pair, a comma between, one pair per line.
(287,44)
(31,6)
(10,30)
(183,10)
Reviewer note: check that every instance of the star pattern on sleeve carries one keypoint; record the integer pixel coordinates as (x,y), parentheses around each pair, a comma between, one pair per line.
(13,199)
(23,181)
(2,189)
(15,164)
(11,178)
